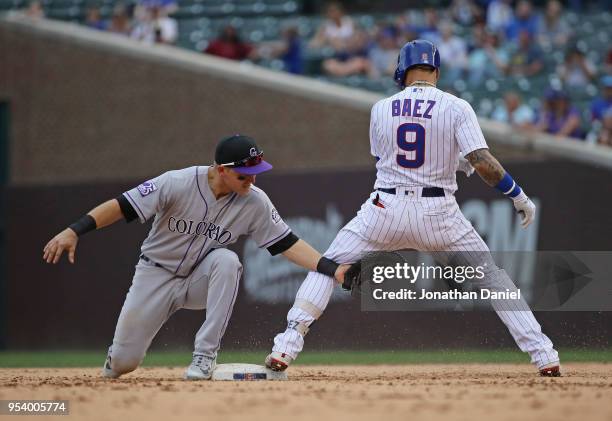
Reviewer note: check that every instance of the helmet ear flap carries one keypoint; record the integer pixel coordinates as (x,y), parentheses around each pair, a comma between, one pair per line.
(399,77)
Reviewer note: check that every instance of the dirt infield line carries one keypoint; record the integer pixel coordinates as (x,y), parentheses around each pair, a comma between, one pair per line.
(433,392)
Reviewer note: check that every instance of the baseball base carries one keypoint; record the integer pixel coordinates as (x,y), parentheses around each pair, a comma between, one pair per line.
(246,372)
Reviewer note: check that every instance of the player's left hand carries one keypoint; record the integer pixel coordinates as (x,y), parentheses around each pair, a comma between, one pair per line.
(525,207)
(352,277)
(465,166)
(64,241)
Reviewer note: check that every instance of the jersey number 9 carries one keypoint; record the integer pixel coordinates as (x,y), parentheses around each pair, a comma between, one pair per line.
(417,145)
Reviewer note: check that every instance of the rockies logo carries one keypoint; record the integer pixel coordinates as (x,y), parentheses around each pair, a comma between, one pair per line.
(146,188)
(253,152)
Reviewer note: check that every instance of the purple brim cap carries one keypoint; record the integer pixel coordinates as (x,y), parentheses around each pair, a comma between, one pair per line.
(263,166)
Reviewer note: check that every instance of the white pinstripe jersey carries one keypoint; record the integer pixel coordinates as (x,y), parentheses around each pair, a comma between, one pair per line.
(417,136)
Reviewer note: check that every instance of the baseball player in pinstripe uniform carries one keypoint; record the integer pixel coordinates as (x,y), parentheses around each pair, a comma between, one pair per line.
(184,261)
(417,137)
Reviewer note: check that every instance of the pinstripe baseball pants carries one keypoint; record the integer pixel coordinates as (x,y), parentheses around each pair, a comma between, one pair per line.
(409,221)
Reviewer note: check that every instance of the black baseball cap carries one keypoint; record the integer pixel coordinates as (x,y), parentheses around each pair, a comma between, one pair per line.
(241,154)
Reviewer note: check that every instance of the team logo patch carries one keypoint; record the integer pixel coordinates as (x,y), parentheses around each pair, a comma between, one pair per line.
(146,188)
(275,216)
(424,58)
(253,152)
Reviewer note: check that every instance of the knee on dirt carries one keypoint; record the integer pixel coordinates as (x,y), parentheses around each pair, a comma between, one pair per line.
(122,364)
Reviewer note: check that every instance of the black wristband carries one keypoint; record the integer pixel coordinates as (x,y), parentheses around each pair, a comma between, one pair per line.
(83,225)
(327,267)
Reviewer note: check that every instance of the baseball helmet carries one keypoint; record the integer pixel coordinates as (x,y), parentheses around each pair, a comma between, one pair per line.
(414,53)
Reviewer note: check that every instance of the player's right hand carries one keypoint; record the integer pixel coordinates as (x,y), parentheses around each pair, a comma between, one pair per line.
(525,207)
(65,240)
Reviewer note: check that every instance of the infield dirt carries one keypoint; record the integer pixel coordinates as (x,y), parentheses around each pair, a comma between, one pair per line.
(429,392)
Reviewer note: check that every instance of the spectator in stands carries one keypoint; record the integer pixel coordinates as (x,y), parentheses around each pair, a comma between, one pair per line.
(337,31)
(553,29)
(526,58)
(477,37)
(499,15)
(353,60)
(383,54)
(487,60)
(605,135)
(229,45)
(120,22)
(93,19)
(453,52)
(289,49)
(429,31)
(427,28)
(608,64)
(558,117)
(155,26)
(576,71)
(513,112)
(168,6)
(524,20)
(602,104)
(465,12)
(35,10)
(407,30)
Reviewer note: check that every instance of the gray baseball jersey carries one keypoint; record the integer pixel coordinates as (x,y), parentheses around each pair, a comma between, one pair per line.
(190,221)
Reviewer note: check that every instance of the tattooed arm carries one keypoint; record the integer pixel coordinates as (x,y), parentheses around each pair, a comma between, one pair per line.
(491,171)
(487,167)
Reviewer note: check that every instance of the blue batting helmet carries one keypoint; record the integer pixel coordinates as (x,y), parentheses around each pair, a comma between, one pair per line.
(414,53)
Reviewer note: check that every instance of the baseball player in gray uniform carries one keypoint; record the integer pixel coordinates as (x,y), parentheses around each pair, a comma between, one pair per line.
(417,137)
(184,261)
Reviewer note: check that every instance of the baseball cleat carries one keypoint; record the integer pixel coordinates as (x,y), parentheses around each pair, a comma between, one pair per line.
(277,361)
(201,368)
(551,370)
(107,371)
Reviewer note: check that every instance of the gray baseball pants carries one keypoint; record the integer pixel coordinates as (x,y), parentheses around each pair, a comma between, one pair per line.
(156,294)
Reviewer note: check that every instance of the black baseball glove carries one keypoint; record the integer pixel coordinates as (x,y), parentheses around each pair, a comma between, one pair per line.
(352,277)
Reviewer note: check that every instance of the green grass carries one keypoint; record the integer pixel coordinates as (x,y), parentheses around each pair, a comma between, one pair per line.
(158,358)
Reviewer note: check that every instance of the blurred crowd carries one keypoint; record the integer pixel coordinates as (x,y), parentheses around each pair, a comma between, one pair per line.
(478,40)
(148,21)
(504,39)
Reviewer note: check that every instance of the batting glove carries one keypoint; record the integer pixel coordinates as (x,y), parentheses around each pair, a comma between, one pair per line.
(465,166)
(525,207)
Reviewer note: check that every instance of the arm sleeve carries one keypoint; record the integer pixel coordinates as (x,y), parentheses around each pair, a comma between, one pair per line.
(468,133)
(128,211)
(267,228)
(150,197)
(283,244)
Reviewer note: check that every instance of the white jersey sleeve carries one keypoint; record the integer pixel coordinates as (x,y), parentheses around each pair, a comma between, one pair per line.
(374,134)
(267,227)
(468,133)
(150,197)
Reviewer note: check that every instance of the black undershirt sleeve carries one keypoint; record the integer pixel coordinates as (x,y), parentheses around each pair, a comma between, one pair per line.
(126,208)
(283,244)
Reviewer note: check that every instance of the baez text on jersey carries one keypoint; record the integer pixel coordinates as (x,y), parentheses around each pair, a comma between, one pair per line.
(410,108)
(204,228)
